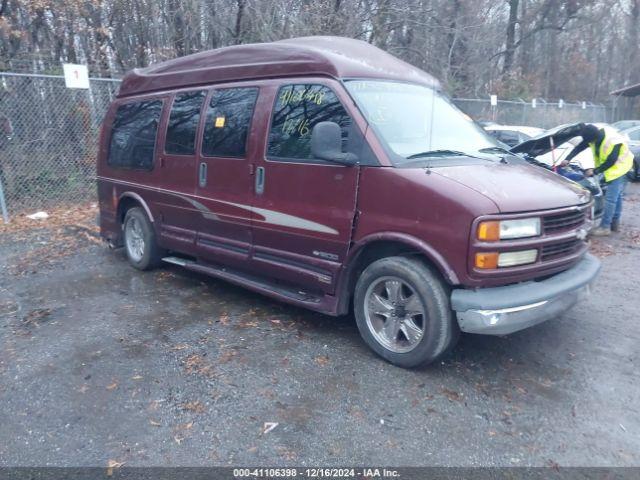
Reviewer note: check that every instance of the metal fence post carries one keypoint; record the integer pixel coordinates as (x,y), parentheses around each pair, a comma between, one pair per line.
(3,204)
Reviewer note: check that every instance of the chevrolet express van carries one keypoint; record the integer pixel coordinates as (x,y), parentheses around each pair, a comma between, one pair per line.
(327,173)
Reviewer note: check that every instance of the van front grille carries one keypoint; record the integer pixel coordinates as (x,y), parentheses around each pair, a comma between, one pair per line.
(563,221)
(561,249)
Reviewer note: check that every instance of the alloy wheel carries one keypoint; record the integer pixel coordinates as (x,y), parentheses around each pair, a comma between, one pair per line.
(395,314)
(134,237)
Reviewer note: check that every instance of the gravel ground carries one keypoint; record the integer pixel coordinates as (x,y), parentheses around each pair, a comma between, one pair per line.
(101,363)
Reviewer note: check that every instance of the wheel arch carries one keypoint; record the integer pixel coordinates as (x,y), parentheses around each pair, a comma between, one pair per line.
(127,200)
(380,245)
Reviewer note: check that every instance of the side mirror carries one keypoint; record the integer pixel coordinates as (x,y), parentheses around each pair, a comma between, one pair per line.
(326,144)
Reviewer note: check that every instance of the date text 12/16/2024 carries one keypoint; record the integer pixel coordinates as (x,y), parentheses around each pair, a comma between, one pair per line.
(315,473)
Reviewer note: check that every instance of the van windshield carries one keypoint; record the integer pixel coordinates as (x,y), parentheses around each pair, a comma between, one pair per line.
(416,121)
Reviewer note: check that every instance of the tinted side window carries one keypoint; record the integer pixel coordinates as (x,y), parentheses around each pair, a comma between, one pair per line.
(228,121)
(298,109)
(133,134)
(183,123)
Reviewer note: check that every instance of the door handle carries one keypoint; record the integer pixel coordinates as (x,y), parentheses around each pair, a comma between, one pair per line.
(259,180)
(202,180)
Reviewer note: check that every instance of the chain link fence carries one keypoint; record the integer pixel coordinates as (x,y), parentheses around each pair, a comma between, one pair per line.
(49,134)
(48,139)
(543,115)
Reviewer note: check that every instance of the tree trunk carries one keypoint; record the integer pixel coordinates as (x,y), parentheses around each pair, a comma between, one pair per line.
(237,34)
(633,73)
(178,32)
(510,47)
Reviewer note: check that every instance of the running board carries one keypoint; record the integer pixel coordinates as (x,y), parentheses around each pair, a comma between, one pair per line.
(177,261)
(258,284)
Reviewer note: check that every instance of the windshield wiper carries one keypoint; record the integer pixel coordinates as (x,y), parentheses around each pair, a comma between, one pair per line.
(439,153)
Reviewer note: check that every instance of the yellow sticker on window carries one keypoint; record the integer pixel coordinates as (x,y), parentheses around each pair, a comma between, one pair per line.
(219,122)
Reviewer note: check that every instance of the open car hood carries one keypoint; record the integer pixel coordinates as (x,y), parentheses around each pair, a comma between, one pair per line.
(545,142)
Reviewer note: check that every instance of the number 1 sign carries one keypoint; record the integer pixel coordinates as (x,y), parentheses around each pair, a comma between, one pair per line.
(75,76)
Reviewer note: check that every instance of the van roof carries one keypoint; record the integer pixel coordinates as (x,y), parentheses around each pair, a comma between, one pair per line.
(336,57)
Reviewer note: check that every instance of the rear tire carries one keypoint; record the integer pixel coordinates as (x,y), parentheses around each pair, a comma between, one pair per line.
(403,313)
(140,243)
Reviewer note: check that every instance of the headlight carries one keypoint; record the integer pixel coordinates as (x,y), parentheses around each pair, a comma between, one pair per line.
(490,260)
(494,230)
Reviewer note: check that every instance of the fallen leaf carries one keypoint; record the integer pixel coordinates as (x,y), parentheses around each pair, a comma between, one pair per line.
(195,406)
(451,395)
(38,314)
(227,356)
(322,360)
(286,453)
(196,364)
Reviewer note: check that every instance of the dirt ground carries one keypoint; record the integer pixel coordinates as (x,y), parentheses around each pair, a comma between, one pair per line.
(102,364)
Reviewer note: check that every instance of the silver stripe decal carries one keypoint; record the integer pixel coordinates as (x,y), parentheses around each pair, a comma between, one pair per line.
(286,220)
(272,217)
(282,219)
(206,213)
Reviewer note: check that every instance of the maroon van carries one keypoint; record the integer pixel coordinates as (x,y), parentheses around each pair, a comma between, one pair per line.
(327,173)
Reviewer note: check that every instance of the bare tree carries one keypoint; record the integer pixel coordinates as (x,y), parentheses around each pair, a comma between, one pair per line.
(571,48)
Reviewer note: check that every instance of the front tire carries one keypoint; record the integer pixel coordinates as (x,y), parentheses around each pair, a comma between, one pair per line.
(140,240)
(403,313)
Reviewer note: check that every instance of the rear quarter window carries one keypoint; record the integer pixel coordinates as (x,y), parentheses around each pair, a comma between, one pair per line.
(133,135)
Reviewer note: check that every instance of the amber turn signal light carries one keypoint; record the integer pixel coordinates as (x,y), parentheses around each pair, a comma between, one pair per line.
(489,231)
(487,260)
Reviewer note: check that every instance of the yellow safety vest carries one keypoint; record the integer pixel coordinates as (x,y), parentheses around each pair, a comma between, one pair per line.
(600,155)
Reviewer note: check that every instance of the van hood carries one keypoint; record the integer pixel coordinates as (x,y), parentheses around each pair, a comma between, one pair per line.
(547,141)
(517,187)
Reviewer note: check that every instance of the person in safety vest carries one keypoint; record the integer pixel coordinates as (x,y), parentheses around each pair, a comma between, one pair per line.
(612,158)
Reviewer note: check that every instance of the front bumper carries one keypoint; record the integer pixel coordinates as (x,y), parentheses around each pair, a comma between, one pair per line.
(504,310)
